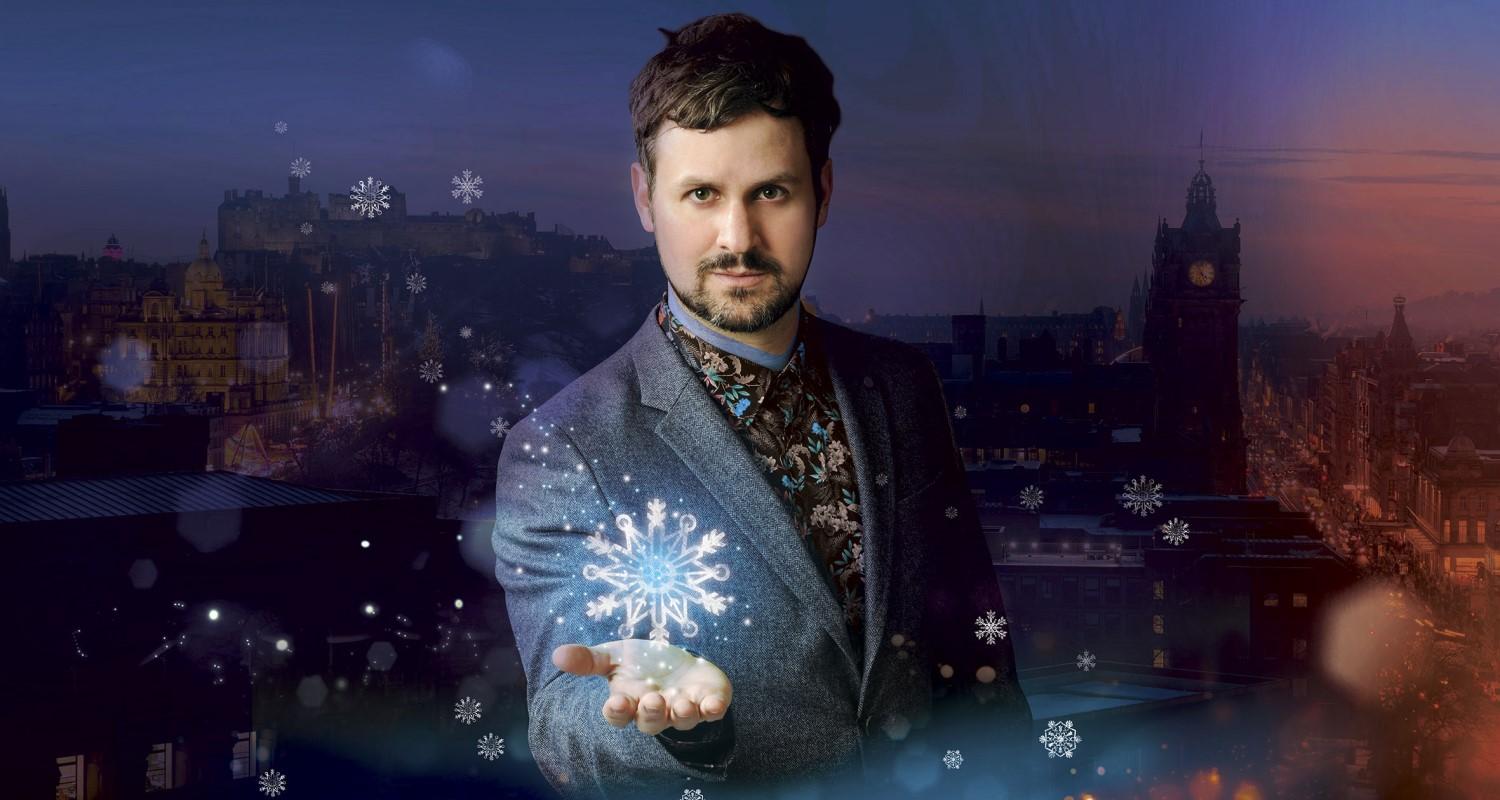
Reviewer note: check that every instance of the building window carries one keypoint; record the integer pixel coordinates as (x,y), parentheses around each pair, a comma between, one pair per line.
(242,764)
(70,778)
(1159,657)
(1447,532)
(159,767)
(1299,649)
(1092,408)
(1158,624)
(1479,531)
(1299,600)
(1159,590)
(1463,531)
(1271,600)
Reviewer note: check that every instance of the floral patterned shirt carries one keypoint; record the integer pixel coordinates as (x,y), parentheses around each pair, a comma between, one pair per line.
(791,421)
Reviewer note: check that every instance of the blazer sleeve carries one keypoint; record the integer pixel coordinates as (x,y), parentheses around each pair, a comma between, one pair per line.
(977,694)
(547,503)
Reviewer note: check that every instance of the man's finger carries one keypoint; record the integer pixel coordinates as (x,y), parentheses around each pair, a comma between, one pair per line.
(685,714)
(714,706)
(651,713)
(578,659)
(619,710)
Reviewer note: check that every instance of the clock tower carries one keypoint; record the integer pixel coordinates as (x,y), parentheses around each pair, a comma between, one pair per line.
(1191,339)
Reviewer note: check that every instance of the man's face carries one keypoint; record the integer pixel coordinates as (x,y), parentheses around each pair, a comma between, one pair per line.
(736,200)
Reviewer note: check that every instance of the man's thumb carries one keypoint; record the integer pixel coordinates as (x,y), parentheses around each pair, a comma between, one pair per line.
(579,659)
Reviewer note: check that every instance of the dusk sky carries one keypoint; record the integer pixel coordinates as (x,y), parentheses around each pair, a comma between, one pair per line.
(1024,151)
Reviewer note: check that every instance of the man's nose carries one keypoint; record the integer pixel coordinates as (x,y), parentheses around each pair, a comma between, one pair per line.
(737,229)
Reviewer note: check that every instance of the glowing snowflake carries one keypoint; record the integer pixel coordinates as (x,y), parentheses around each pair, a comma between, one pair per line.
(465,332)
(467,187)
(306,228)
(1142,495)
(960,412)
(1175,531)
(1060,739)
(692,794)
(499,427)
(272,782)
(656,574)
(466,710)
(301,167)
(431,371)
(329,287)
(990,627)
(953,759)
(280,127)
(1087,661)
(1031,498)
(369,197)
(881,479)
(491,746)
(950,512)
(416,282)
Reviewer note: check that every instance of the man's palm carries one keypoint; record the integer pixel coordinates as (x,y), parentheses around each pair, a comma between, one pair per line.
(657,685)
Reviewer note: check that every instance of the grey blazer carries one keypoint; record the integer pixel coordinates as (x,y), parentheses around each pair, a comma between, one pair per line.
(639,427)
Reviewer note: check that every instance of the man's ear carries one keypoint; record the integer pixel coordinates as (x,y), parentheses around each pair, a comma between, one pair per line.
(642,194)
(826,181)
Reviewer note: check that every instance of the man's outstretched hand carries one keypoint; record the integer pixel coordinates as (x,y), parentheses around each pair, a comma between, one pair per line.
(657,685)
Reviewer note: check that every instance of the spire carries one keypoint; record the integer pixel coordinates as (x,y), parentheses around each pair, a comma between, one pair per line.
(981,306)
(1202,207)
(1400,336)
(203,245)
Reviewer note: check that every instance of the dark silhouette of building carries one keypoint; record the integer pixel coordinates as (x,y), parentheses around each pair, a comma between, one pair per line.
(4,228)
(1192,342)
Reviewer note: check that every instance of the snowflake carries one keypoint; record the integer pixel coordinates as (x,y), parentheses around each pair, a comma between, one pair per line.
(1142,495)
(953,759)
(1060,739)
(499,427)
(950,512)
(1175,531)
(881,479)
(692,794)
(1087,661)
(491,746)
(369,197)
(272,782)
(656,573)
(280,127)
(416,282)
(306,228)
(466,710)
(465,332)
(991,628)
(468,187)
(329,287)
(431,371)
(301,167)
(1031,498)
(960,412)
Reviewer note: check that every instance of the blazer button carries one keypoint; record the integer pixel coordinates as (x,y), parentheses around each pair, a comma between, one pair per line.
(869,382)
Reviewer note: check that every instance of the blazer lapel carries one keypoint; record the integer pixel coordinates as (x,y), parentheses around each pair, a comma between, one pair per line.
(696,429)
(863,408)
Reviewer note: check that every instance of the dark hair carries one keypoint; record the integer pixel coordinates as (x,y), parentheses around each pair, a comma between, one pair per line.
(717,69)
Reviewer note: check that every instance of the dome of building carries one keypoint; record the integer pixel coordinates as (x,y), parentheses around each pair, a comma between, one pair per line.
(204,272)
(1461,446)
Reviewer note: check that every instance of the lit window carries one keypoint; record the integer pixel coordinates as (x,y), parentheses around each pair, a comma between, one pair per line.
(1159,657)
(1272,600)
(1299,600)
(1159,590)
(1158,624)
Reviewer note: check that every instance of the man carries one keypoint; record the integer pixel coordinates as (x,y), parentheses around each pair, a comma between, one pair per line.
(808,609)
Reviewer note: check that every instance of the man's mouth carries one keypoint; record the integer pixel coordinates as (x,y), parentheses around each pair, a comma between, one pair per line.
(742,278)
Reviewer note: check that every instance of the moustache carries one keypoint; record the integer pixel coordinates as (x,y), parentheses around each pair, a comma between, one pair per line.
(754,264)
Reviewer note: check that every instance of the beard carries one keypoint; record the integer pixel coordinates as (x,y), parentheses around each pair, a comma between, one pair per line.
(741,309)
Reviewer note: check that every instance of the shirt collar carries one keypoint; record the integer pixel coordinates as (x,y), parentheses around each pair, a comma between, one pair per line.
(771,361)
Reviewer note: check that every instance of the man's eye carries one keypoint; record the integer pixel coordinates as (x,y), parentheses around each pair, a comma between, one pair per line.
(696,191)
(772,188)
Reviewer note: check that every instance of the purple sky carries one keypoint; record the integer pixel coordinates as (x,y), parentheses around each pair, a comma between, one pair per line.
(1019,150)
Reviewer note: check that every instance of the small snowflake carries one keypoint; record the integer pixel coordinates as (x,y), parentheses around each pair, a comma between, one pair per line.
(280,127)
(431,371)
(1031,498)
(1087,661)
(950,512)
(467,187)
(1060,739)
(692,794)
(329,287)
(272,783)
(991,628)
(491,746)
(306,228)
(953,759)
(301,167)
(960,412)
(881,479)
(1142,495)
(499,427)
(465,332)
(416,282)
(369,197)
(466,710)
(1175,531)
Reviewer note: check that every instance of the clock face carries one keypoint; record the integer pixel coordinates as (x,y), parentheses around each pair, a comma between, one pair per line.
(1201,273)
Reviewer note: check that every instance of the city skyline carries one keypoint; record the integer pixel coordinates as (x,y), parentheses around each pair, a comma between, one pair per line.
(1020,154)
